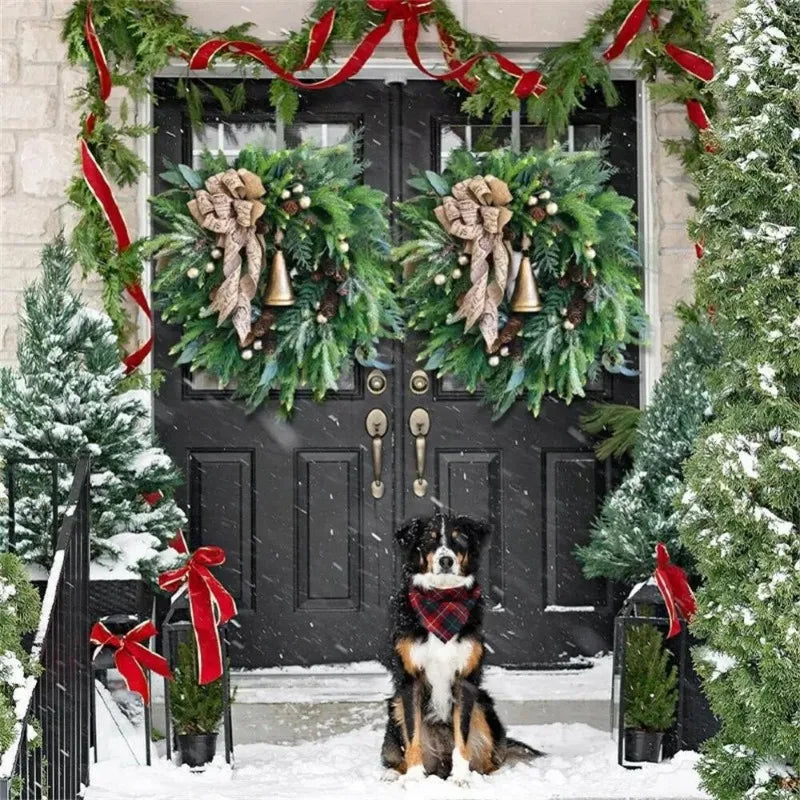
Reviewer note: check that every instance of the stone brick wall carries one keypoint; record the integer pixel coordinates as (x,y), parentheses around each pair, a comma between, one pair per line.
(38,126)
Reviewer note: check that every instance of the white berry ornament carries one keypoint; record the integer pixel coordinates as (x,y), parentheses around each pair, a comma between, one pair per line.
(210,266)
(247,354)
(551,208)
(494,361)
(545,195)
(304,202)
(299,188)
(285,194)
(192,273)
(457,274)
(439,279)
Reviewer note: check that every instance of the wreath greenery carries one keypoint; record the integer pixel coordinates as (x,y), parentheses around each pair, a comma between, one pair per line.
(587,268)
(335,242)
(140,37)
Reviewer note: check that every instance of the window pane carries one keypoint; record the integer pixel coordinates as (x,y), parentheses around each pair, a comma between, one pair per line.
(325,134)
(585,136)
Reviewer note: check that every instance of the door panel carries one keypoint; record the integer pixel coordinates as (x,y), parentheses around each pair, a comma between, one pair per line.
(311,558)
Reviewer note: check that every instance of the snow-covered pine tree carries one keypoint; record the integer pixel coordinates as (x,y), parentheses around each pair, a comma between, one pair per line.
(68,398)
(640,512)
(742,503)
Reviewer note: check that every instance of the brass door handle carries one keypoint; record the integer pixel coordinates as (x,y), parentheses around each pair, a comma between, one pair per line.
(419,422)
(377,425)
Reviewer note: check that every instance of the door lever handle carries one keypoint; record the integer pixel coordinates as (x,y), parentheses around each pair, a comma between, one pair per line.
(377,425)
(419,421)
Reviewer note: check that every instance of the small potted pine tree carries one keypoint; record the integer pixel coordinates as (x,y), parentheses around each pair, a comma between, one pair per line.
(196,710)
(651,693)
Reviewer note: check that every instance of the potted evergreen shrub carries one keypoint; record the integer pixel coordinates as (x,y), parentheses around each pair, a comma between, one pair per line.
(651,693)
(196,710)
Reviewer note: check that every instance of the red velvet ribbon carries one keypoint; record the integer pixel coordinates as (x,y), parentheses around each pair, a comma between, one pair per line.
(210,605)
(100,187)
(693,63)
(131,657)
(627,32)
(674,587)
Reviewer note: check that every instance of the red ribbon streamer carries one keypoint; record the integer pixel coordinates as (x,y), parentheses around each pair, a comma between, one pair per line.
(697,114)
(674,587)
(100,187)
(406,11)
(210,605)
(132,658)
(693,63)
(627,32)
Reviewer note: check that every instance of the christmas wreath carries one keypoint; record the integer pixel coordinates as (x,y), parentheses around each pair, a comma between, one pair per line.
(523,276)
(327,296)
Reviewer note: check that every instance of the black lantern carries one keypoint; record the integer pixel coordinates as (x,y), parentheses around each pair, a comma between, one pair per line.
(645,606)
(694,722)
(102,661)
(175,630)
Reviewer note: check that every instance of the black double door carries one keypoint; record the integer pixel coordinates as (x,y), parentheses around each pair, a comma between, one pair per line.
(311,559)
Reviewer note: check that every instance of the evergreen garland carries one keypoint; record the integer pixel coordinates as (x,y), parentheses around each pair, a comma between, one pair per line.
(337,249)
(587,273)
(68,398)
(640,512)
(741,508)
(140,37)
(19,615)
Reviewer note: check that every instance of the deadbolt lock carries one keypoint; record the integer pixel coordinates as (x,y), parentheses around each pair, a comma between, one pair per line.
(376,382)
(419,381)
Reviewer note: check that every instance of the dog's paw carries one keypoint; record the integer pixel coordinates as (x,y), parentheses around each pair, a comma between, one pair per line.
(461,774)
(414,774)
(390,775)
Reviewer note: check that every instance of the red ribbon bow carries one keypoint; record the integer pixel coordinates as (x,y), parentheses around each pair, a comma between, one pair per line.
(674,587)
(210,604)
(132,658)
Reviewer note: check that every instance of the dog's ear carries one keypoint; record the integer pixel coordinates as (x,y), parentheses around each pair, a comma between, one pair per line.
(409,533)
(478,530)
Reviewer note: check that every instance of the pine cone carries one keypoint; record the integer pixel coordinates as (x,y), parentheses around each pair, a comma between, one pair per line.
(576,310)
(317,275)
(264,323)
(516,348)
(290,207)
(330,304)
(329,268)
(538,213)
(508,334)
(270,343)
(564,281)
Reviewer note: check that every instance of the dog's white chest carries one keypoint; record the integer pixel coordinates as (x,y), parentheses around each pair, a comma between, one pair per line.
(441,661)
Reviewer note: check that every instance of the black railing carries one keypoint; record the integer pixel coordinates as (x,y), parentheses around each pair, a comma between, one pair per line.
(49,756)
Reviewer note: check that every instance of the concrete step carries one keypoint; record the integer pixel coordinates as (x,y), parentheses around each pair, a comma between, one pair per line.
(296,704)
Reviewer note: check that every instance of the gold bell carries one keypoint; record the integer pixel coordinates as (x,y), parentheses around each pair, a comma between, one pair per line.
(526,294)
(279,290)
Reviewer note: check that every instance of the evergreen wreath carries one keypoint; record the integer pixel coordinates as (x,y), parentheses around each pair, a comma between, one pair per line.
(333,233)
(581,242)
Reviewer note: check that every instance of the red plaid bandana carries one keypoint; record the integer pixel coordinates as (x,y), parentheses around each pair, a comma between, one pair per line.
(443,612)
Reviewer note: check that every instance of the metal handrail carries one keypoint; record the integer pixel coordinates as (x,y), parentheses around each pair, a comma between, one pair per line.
(55,763)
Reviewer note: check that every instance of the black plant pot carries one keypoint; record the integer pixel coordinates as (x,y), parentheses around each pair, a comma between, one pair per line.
(642,745)
(197,749)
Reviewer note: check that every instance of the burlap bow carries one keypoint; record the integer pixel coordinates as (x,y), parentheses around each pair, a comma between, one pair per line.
(229,207)
(477,213)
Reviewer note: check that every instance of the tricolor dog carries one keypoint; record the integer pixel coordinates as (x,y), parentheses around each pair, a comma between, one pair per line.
(441,722)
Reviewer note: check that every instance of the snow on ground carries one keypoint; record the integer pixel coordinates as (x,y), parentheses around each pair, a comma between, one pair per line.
(580,763)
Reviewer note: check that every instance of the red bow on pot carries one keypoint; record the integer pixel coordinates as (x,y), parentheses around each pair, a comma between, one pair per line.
(131,657)
(674,587)
(210,604)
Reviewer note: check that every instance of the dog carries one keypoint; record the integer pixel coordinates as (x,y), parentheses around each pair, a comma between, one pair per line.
(440,721)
